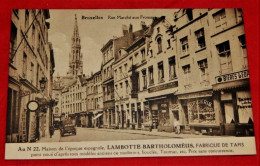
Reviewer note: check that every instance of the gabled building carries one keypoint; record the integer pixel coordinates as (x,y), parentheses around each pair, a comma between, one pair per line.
(112,51)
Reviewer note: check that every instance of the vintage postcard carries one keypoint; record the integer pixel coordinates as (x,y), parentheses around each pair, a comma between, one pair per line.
(128,83)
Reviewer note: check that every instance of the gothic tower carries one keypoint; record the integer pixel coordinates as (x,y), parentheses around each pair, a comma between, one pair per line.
(75,57)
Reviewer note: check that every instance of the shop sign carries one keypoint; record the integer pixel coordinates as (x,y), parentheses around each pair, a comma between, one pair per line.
(232,76)
(244,103)
(164,111)
(174,107)
(32,105)
(163,87)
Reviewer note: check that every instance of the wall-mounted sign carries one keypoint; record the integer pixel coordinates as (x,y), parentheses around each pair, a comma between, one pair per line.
(32,105)
(233,76)
(163,87)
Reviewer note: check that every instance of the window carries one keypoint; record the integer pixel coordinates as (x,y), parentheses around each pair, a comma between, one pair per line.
(126,87)
(126,69)
(115,74)
(200,38)
(143,54)
(239,15)
(158,29)
(169,43)
(159,42)
(189,14)
(13,40)
(33,35)
(204,73)
(32,73)
(119,53)
(151,53)
(24,65)
(160,72)
(151,80)
(26,19)
(172,70)
(120,72)
(144,79)
(242,41)
(201,111)
(184,45)
(225,57)
(187,74)
(105,74)
(220,20)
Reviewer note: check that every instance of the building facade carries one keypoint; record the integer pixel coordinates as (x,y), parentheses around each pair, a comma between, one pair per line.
(94,100)
(189,73)
(31,60)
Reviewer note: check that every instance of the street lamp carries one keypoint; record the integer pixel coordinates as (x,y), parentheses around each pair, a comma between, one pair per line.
(42,83)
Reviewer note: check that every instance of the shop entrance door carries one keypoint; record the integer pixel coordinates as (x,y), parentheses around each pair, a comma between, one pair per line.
(154,119)
(229,113)
(123,118)
(229,125)
(139,113)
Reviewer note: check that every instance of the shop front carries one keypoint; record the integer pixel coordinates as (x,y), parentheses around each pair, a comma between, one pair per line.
(199,115)
(78,119)
(236,107)
(109,114)
(98,119)
(83,116)
(159,113)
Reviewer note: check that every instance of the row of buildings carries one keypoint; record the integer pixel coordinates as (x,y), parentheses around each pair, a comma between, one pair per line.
(31,68)
(190,72)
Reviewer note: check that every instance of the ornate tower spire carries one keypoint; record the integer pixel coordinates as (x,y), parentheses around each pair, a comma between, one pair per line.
(75,62)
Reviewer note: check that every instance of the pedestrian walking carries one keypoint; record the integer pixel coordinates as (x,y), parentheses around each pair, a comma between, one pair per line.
(51,131)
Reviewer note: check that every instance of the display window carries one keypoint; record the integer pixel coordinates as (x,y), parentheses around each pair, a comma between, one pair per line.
(201,111)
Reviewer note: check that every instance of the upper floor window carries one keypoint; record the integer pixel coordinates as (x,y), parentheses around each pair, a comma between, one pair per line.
(204,73)
(242,41)
(225,57)
(115,74)
(172,69)
(159,42)
(144,79)
(158,30)
(189,14)
(220,19)
(160,72)
(13,40)
(120,72)
(184,45)
(126,68)
(151,80)
(187,75)
(143,54)
(200,38)
(26,19)
(169,43)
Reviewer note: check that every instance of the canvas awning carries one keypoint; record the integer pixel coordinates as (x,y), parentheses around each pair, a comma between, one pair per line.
(97,116)
(231,85)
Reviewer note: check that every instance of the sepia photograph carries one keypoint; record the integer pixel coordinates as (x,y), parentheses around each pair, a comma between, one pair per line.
(129,79)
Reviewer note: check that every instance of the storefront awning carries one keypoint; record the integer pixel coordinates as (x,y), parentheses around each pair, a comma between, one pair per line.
(97,116)
(231,85)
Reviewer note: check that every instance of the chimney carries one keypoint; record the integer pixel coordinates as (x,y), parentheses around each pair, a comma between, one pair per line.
(130,28)
(143,25)
(125,30)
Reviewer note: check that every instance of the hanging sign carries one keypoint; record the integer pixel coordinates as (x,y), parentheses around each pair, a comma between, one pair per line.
(32,105)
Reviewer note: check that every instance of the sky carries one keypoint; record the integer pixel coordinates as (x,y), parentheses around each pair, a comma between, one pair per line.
(93,33)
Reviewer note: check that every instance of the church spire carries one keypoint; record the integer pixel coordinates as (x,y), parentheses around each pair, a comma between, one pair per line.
(75,59)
